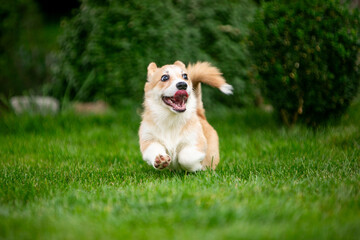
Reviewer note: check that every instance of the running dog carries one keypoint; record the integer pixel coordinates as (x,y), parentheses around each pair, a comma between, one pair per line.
(174,132)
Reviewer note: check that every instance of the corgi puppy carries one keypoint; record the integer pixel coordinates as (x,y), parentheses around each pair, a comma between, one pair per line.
(174,132)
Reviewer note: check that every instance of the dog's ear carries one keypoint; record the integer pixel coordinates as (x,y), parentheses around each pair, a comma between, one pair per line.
(180,64)
(151,70)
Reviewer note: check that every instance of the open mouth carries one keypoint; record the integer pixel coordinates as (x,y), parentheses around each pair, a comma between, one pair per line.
(178,101)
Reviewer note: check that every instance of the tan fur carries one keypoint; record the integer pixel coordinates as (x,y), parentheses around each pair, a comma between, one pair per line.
(205,73)
(175,134)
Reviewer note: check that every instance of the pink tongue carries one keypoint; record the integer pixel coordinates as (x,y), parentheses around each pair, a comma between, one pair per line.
(180,95)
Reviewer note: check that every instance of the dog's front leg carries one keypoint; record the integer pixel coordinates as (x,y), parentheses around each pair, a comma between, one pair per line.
(156,156)
(190,159)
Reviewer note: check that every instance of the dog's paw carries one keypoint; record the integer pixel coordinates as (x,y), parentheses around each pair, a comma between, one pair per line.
(162,161)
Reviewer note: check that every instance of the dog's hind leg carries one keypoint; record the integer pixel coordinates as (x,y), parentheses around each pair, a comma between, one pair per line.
(190,159)
(212,152)
(156,156)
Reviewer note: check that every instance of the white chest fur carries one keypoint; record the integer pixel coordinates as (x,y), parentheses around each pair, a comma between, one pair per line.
(173,135)
(172,130)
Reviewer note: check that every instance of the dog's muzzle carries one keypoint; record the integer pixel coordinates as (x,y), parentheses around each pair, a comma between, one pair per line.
(178,101)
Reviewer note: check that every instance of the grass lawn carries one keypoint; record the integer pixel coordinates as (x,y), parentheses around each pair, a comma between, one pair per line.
(82,177)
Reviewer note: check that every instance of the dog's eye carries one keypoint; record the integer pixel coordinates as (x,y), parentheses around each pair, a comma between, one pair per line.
(185,76)
(165,77)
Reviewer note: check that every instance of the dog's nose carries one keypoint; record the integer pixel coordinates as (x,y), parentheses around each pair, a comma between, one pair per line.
(181,85)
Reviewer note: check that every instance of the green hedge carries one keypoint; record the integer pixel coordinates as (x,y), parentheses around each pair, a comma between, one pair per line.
(307,57)
(107,45)
(22,59)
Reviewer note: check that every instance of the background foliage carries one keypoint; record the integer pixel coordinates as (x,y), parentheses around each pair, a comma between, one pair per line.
(23,50)
(306,53)
(107,46)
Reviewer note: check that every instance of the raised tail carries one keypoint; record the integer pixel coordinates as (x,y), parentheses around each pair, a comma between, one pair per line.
(204,72)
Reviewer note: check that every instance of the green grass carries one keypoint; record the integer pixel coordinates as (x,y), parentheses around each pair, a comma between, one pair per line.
(82,177)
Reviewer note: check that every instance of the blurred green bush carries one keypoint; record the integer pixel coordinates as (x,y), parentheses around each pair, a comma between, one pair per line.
(22,57)
(307,57)
(107,45)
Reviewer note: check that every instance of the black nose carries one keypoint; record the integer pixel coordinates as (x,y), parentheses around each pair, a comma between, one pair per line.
(181,85)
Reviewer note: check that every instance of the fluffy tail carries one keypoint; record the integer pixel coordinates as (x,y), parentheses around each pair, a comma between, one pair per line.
(203,72)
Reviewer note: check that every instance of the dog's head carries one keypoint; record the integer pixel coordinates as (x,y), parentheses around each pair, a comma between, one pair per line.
(168,86)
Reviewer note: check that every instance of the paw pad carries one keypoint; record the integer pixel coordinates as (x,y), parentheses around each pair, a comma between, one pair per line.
(162,161)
